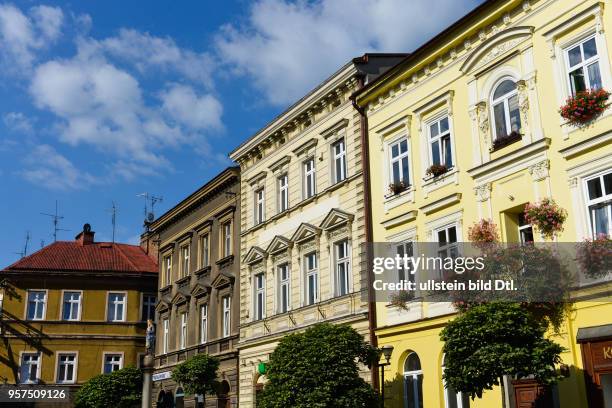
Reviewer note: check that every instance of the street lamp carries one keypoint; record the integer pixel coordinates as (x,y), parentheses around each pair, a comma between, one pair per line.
(386,352)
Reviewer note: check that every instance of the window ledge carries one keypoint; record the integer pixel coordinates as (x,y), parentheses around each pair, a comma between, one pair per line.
(399,199)
(431,183)
(223,262)
(202,271)
(183,281)
(510,140)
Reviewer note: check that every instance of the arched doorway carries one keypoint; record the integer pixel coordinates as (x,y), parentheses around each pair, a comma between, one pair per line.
(413,381)
(179,398)
(165,399)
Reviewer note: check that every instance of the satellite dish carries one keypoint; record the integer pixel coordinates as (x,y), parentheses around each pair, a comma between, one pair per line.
(150,217)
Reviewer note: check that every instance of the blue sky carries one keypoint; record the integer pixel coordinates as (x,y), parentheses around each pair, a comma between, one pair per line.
(101,101)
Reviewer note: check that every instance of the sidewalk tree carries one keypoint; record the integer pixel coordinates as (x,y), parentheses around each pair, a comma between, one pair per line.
(119,389)
(491,340)
(319,368)
(198,374)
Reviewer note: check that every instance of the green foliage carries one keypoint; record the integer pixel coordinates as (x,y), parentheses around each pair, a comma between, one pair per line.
(491,340)
(198,374)
(119,389)
(319,369)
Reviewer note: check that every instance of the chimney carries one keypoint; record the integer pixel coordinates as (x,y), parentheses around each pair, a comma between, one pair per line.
(86,236)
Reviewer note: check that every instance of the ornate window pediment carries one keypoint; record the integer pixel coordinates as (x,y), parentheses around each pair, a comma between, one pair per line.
(222,280)
(496,46)
(278,244)
(304,232)
(255,254)
(162,306)
(199,291)
(179,299)
(336,218)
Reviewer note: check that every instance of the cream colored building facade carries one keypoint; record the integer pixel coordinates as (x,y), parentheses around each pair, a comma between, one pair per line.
(507,66)
(302,221)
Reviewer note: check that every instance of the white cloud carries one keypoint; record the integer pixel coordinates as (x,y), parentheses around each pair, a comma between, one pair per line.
(287,47)
(185,106)
(48,168)
(21,36)
(17,122)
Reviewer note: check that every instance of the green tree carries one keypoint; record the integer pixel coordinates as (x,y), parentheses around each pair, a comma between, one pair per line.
(198,374)
(319,369)
(119,389)
(491,340)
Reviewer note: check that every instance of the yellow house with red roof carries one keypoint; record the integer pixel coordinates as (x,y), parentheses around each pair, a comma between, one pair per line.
(73,310)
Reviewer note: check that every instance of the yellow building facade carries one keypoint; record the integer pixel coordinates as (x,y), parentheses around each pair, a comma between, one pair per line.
(483,98)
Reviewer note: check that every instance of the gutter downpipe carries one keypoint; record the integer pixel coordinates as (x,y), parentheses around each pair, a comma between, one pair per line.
(367,206)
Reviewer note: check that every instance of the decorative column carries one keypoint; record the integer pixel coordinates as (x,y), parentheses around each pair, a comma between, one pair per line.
(523,102)
(147,380)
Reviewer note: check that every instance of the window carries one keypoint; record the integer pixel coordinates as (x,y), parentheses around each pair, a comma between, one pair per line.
(440,143)
(148,307)
(185,260)
(525,230)
(226,316)
(283,193)
(260,296)
(447,244)
(183,338)
(399,162)
(72,306)
(203,323)
(204,251)
(283,288)
(66,368)
(309,178)
(260,206)
(166,336)
(342,267)
(312,278)
(452,398)
(116,307)
(505,109)
(29,372)
(339,156)
(226,239)
(413,382)
(599,203)
(37,300)
(405,271)
(582,64)
(112,362)
(167,270)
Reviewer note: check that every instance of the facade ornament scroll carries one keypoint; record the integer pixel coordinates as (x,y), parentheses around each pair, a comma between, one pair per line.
(573,182)
(523,101)
(483,192)
(539,171)
(483,121)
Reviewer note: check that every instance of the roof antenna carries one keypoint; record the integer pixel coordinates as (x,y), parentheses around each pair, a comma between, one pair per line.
(25,247)
(56,218)
(113,212)
(150,201)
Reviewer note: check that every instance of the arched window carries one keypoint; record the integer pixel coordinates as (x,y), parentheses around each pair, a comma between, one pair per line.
(452,398)
(505,109)
(413,381)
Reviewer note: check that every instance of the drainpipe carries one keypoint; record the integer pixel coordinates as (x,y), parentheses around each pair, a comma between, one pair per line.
(367,206)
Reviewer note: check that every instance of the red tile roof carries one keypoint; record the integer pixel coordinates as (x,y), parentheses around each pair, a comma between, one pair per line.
(98,256)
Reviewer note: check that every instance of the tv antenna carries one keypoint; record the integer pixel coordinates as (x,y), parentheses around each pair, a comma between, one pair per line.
(149,207)
(56,219)
(113,212)
(25,247)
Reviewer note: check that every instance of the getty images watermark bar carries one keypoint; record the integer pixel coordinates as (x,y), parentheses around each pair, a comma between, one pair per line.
(477,272)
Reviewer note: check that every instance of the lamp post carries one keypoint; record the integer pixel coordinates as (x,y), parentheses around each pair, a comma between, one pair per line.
(386,352)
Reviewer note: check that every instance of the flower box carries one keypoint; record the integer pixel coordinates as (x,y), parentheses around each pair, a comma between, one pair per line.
(503,141)
(546,216)
(585,106)
(397,187)
(436,170)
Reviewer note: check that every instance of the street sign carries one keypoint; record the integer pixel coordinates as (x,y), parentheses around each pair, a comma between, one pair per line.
(164,375)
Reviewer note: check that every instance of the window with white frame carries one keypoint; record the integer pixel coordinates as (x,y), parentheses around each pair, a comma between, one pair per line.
(37,304)
(260,206)
(148,307)
(183,332)
(226,239)
(167,270)
(310,184)
(227,308)
(71,306)
(312,278)
(185,253)
(283,193)
(339,161)
(440,143)
(204,250)
(405,270)
(525,230)
(112,362)
(204,323)
(29,371)
(447,244)
(398,157)
(284,285)
(582,66)
(505,109)
(342,267)
(452,398)
(116,307)
(66,368)
(259,296)
(413,381)
(165,335)
(599,203)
